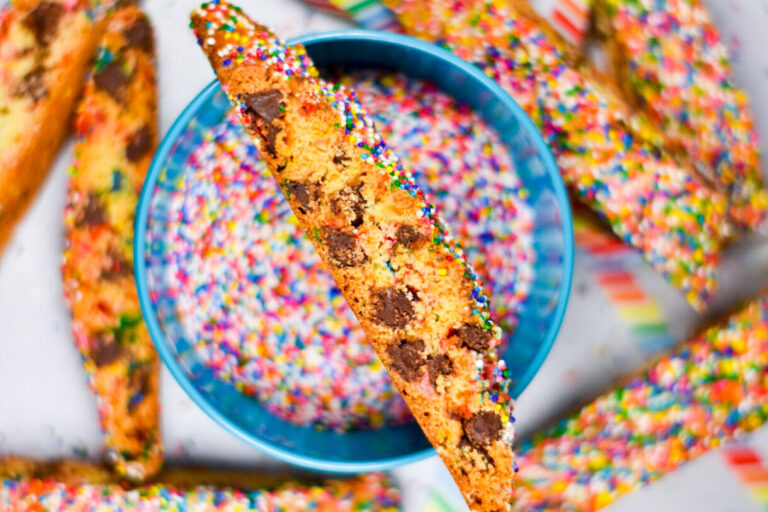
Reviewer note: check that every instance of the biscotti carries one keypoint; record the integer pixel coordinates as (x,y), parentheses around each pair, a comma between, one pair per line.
(664,210)
(409,284)
(671,63)
(117,129)
(45,48)
(710,390)
(77,486)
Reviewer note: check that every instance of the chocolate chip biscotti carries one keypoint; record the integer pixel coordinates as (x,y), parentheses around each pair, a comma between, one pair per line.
(408,282)
(117,129)
(45,48)
(605,153)
(76,486)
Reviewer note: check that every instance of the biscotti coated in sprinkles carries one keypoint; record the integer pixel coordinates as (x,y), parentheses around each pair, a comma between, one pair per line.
(251,43)
(605,155)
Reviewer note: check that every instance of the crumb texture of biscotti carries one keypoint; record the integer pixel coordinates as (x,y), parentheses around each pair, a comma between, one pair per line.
(420,303)
(77,486)
(45,48)
(117,129)
(671,62)
(609,157)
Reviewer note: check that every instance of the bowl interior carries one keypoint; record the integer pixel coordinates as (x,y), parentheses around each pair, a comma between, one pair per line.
(359,450)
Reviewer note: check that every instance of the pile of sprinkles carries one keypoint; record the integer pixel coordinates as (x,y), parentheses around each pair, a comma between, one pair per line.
(676,66)
(372,492)
(653,204)
(254,295)
(711,390)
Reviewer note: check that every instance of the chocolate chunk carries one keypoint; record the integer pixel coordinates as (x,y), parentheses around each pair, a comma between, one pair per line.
(406,358)
(93,213)
(139,35)
(266,106)
(138,144)
(392,307)
(106,351)
(343,248)
(407,235)
(271,137)
(113,80)
(118,267)
(439,364)
(473,337)
(43,21)
(32,85)
(483,428)
(305,194)
(350,202)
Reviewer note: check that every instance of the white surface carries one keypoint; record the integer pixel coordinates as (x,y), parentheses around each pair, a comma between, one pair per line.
(46,409)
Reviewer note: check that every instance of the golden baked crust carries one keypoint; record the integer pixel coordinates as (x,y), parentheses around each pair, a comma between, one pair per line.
(45,48)
(409,284)
(117,128)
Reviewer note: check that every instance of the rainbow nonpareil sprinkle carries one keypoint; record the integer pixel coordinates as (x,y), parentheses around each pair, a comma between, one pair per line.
(714,388)
(269,318)
(653,204)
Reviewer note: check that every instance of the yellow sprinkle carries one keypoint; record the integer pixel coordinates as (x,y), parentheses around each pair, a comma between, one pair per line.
(603,499)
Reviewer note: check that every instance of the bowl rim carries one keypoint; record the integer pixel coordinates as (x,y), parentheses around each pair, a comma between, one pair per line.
(142,213)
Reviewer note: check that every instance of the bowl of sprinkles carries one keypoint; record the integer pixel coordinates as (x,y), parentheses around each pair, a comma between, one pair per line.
(251,324)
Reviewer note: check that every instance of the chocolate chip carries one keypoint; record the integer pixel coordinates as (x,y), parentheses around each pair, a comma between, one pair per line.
(43,21)
(407,235)
(305,195)
(266,106)
(139,35)
(113,80)
(483,428)
(406,358)
(32,85)
(473,337)
(138,144)
(106,351)
(93,213)
(343,248)
(118,267)
(439,364)
(392,307)
(350,202)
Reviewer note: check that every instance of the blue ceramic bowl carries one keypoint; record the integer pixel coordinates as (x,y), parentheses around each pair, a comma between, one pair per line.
(363,450)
